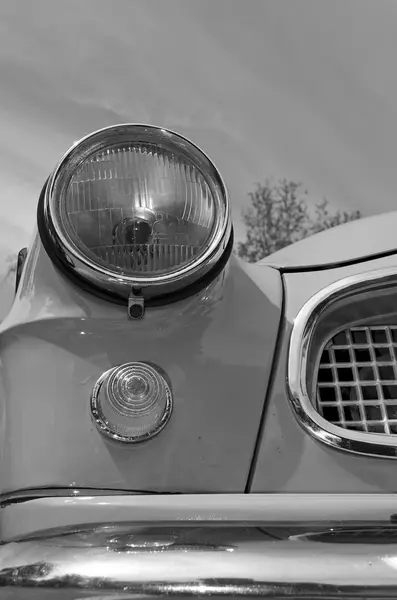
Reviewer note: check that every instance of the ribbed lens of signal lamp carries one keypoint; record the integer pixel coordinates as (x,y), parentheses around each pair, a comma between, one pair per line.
(139,209)
(133,401)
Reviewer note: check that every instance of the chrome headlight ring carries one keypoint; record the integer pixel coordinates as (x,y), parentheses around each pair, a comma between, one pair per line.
(115,282)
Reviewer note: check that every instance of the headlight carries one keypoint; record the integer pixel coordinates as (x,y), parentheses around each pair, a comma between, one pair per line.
(137,207)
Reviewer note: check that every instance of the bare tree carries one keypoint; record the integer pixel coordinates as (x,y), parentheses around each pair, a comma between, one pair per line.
(279,215)
(11,262)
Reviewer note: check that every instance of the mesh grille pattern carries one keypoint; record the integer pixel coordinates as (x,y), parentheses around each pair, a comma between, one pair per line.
(357,380)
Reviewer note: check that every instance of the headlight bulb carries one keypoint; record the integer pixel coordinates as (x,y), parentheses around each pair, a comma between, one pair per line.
(131,232)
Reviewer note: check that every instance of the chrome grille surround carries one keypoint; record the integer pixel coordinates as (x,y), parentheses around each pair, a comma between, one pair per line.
(306,352)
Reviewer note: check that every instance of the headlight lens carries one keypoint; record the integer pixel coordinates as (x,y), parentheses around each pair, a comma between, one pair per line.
(140,205)
(138,209)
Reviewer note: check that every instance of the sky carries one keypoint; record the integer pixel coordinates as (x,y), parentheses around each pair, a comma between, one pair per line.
(305,90)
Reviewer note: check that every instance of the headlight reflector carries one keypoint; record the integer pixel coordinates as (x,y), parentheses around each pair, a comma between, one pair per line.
(138,205)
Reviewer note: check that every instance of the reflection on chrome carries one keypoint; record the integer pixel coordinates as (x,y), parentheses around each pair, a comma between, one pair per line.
(121,561)
(230,545)
(351,535)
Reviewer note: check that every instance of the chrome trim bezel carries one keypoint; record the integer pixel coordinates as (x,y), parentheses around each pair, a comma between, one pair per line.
(103,425)
(115,562)
(26,495)
(107,279)
(185,546)
(274,510)
(304,326)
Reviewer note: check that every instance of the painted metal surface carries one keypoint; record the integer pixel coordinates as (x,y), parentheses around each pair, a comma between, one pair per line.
(356,240)
(216,348)
(19,520)
(289,460)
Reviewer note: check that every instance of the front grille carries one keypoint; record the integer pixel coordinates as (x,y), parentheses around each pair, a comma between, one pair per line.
(357,380)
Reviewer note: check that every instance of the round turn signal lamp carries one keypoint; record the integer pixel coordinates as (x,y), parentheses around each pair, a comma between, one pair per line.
(132,402)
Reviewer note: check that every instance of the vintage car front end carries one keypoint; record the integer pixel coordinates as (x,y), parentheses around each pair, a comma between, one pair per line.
(175,421)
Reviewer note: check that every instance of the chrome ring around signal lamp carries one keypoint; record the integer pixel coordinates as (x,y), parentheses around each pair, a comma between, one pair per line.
(107,279)
(99,394)
(371,444)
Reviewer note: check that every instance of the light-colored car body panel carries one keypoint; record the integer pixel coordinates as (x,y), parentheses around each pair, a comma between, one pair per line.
(289,460)
(358,240)
(216,347)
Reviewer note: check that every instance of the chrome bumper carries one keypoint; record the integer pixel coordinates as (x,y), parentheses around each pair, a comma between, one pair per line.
(203,557)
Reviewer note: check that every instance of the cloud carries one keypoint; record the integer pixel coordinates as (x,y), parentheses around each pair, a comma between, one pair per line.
(302,90)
